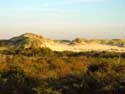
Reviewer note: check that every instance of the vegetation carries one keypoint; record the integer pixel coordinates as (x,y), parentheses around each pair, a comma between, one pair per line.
(113,42)
(42,71)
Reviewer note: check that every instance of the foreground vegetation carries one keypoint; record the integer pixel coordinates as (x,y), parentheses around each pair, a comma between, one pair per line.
(42,71)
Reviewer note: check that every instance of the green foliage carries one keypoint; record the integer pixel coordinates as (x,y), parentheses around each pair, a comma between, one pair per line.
(14,81)
(43,90)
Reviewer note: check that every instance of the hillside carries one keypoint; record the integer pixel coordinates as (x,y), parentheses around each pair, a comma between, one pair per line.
(30,40)
(112,42)
(43,71)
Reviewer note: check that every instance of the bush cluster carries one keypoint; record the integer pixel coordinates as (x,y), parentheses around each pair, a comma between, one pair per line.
(42,71)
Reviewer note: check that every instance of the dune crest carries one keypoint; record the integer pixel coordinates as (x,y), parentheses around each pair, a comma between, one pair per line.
(30,40)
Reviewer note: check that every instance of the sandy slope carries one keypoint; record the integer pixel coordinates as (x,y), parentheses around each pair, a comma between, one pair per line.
(78,45)
(84,47)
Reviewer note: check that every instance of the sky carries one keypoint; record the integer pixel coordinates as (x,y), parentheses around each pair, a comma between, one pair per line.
(63,19)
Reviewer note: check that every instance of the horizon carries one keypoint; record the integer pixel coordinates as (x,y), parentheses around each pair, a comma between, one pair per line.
(62,39)
(63,19)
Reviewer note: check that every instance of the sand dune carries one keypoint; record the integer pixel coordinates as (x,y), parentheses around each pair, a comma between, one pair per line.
(84,47)
(29,40)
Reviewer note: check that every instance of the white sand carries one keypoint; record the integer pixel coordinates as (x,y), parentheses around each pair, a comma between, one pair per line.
(84,47)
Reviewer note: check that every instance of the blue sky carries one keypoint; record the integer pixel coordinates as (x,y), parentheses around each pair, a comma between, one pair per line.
(63,19)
